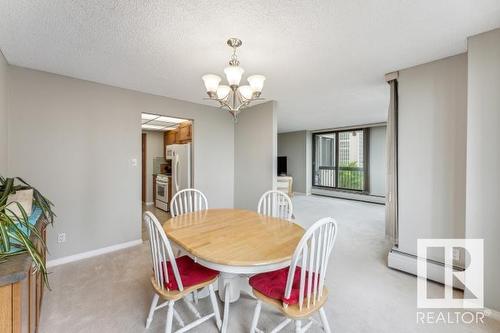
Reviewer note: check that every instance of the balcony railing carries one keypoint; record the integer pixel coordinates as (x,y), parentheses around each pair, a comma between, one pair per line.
(349,178)
(326,176)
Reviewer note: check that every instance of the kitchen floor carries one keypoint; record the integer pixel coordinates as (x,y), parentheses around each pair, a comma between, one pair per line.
(160,214)
(112,292)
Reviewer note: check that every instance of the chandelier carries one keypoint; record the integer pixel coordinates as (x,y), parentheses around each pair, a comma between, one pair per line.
(233,97)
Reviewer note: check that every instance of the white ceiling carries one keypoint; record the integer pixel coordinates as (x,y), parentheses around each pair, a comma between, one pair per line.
(324,60)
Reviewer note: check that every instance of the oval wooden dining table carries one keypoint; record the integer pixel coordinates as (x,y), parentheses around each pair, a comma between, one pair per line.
(237,243)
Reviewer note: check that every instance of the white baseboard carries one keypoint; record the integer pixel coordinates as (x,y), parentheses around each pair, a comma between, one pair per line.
(490,313)
(408,263)
(493,314)
(93,253)
(149,203)
(348,195)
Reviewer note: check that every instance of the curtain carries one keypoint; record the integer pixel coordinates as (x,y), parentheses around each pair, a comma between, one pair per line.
(391,198)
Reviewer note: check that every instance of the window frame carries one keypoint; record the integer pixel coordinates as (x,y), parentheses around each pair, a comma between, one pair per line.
(366,159)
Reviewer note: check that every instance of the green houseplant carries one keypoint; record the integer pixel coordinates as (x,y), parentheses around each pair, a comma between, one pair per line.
(15,230)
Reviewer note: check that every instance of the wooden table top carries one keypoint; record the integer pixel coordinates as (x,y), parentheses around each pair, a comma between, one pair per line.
(234,236)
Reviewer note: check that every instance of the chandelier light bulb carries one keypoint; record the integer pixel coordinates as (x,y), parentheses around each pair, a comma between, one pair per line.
(223,91)
(211,82)
(246,92)
(257,82)
(233,75)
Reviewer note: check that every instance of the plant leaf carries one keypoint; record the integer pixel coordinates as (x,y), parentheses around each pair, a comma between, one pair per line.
(4,235)
(11,234)
(7,190)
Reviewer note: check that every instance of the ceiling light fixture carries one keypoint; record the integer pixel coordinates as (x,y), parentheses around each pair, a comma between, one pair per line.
(234,97)
(148,116)
(152,127)
(159,123)
(170,119)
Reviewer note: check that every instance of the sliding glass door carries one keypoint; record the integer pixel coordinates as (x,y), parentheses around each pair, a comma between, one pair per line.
(324,164)
(340,160)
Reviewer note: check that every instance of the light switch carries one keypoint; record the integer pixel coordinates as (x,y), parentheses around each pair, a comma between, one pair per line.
(133,162)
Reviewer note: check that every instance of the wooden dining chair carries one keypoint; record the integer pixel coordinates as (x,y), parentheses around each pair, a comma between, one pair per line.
(175,278)
(276,204)
(188,201)
(299,291)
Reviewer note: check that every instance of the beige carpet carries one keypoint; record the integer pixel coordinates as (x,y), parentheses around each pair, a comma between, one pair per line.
(161,215)
(111,293)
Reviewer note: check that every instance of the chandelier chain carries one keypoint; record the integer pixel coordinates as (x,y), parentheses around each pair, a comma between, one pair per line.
(234,58)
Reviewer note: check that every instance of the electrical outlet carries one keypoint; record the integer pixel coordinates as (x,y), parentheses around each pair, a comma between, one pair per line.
(456,254)
(61,238)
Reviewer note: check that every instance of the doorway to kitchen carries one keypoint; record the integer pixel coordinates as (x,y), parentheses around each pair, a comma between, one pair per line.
(167,162)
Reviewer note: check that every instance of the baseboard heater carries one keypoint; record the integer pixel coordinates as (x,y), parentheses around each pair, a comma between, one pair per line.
(407,263)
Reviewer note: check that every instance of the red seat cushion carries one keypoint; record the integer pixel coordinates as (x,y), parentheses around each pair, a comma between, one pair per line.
(190,272)
(272,284)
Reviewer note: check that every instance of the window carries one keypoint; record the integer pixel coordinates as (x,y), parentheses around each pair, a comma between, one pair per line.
(339,159)
(324,145)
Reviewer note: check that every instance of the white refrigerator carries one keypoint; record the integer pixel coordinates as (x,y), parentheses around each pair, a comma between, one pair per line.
(180,154)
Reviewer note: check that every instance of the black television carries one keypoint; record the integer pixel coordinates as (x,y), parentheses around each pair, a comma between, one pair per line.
(281,165)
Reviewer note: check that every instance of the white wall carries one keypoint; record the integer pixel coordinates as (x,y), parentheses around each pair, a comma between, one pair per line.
(293,146)
(255,153)
(3,115)
(483,155)
(75,139)
(377,160)
(154,148)
(432,155)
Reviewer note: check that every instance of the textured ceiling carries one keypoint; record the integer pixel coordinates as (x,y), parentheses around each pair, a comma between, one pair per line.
(324,60)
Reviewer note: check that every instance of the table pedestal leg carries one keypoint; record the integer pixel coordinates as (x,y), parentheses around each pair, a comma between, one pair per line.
(229,292)
(231,281)
(245,287)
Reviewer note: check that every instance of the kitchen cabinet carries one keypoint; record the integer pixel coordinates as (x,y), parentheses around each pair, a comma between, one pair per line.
(170,137)
(184,132)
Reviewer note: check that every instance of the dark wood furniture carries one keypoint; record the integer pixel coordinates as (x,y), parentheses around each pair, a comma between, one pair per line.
(21,291)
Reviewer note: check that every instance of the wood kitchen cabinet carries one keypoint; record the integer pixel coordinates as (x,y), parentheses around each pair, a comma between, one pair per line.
(170,137)
(184,132)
